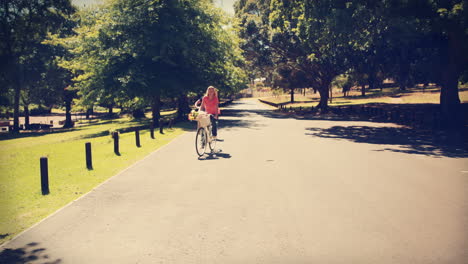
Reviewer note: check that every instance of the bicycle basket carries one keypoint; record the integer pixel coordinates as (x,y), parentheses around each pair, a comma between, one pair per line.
(203,119)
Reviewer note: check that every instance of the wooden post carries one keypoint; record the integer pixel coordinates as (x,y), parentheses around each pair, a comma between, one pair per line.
(89,159)
(115,135)
(152,131)
(137,137)
(44,176)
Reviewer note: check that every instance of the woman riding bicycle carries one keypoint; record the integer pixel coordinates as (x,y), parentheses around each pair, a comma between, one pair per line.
(209,103)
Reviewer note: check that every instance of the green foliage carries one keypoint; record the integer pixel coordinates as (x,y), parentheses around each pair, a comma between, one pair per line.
(27,65)
(409,41)
(137,51)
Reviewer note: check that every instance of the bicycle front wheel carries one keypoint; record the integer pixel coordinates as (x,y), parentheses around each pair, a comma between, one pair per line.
(201,141)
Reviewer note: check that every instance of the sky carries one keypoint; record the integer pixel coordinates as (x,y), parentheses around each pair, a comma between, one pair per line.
(227,5)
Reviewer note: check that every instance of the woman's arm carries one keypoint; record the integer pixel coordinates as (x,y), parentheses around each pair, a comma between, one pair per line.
(198,103)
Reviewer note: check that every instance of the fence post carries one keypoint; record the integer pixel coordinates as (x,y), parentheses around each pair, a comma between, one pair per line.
(161,124)
(137,137)
(152,130)
(115,135)
(89,158)
(44,176)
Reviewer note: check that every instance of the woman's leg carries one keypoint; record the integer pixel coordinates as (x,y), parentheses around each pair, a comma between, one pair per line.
(214,125)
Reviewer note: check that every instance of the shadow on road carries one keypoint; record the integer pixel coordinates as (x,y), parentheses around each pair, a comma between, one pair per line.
(27,254)
(238,118)
(410,141)
(405,139)
(215,156)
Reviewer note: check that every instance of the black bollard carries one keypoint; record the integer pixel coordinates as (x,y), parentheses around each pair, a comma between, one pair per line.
(137,137)
(44,176)
(115,135)
(89,158)
(152,132)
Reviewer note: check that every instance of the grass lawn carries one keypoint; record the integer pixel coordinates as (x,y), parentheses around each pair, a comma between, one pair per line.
(388,95)
(21,201)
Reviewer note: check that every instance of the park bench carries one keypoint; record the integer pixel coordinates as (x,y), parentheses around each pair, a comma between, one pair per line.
(4,125)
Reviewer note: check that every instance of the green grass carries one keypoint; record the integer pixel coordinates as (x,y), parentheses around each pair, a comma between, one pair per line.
(21,201)
(388,95)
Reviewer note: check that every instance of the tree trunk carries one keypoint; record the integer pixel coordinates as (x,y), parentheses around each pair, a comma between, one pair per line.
(16,103)
(26,117)
(404,69)
(110,113)
(68,117)
(182,107)
(323,105)
(156,110)
(371,80)
(292,94)
(89,112)
(402,85)
(450,100)
(363,90)
(449,97)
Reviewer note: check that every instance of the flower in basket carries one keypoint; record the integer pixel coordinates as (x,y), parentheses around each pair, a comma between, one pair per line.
(193,115)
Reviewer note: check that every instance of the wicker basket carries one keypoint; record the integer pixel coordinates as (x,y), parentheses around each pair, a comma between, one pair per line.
(203,119)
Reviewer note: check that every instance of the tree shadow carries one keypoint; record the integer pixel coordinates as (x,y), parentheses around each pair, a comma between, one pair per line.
(39,133)
(406,140)
(27,254)
(94,135)
(229,118)
(417,116)
(238,123)
(233,113)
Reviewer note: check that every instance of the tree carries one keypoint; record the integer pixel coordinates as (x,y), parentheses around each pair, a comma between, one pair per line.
(422,39)
(25,24)
(254,29)
(449,22)
(318,29)
(137,52)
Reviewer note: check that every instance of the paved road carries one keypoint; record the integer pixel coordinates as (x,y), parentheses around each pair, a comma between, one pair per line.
(281,190)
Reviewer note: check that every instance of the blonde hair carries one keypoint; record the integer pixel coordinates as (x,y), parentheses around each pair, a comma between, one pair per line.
(211,87)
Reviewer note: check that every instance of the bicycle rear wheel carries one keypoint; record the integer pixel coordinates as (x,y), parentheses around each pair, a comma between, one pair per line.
(200,141)
(212,143)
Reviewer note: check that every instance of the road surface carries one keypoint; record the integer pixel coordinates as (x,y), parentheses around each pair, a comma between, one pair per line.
(280,190)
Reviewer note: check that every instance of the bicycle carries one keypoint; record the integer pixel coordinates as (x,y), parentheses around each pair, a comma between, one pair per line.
(204,135)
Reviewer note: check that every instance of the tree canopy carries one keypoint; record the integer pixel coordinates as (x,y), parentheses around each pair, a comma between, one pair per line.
(25,62)
(408,41)
(134,52)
